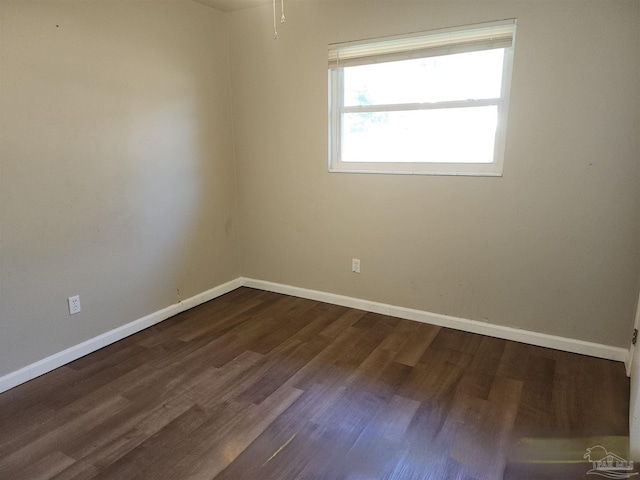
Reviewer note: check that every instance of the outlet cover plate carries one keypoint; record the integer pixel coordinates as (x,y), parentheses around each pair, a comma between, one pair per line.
(355,265)
(74,304)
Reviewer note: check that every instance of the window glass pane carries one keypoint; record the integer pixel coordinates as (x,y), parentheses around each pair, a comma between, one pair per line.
(462,76)
(452,135)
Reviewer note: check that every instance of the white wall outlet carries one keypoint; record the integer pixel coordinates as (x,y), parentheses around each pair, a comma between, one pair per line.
(74,304)
(355,265)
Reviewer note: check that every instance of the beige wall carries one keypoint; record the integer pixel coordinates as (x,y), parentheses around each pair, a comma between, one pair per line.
(117,166)
(118,181)
(552,246)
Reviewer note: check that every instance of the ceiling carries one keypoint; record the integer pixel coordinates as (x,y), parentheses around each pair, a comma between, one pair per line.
(231,5)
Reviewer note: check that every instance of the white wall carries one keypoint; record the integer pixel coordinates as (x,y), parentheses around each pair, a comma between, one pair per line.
(552,246)
(117,166)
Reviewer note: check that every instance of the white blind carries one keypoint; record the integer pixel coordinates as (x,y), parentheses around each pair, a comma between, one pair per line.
(482,36)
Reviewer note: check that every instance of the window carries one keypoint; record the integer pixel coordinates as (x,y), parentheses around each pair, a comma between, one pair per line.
(430,103)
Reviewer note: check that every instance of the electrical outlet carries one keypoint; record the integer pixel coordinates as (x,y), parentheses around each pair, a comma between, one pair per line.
(74,304)
(355,265)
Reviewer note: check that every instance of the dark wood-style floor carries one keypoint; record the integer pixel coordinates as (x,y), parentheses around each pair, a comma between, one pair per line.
(256,385)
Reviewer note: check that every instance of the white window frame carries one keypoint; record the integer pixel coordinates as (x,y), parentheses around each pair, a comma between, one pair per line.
(498,34)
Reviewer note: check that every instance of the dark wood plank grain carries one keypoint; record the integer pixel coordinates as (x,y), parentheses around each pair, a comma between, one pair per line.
(258,385)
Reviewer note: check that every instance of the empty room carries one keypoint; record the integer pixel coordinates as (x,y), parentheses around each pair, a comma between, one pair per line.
(319,239)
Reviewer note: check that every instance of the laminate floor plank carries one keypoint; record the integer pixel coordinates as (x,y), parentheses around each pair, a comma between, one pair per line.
(31,398)
(226,319)
(418,338)
(281,368)
(211,456)
(319,318)
(282,450)
(46,466)
(347,319)
(14,463)
(263,386)
(150,456)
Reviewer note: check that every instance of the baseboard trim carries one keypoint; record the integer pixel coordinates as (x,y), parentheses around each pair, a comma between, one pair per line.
(473,326)
(59,359)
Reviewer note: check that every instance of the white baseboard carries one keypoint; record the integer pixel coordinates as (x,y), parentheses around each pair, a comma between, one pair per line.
(473,326)
(56,360)
(508,333)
